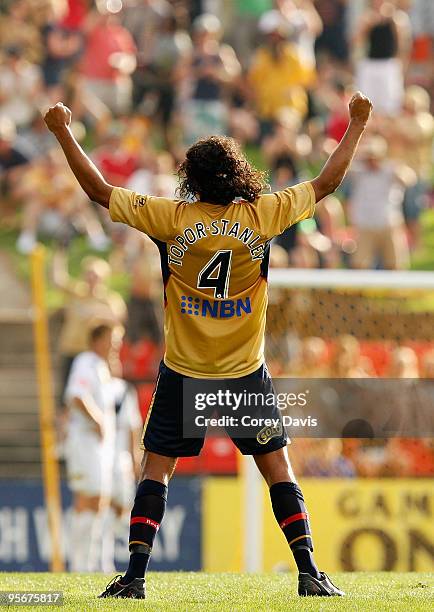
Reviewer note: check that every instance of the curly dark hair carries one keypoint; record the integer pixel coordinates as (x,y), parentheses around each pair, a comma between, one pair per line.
(216,170)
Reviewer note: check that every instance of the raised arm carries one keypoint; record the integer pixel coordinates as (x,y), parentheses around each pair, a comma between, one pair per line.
(58,120)
(335,169)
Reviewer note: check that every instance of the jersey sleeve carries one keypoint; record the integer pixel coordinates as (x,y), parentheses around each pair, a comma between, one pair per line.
(278,211)
(151,215)
(81,379)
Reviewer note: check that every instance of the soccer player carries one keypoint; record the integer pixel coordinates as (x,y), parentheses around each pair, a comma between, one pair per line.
(89,448)
(214,248)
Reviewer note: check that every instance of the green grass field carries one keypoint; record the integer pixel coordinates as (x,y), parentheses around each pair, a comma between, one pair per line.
(230,592)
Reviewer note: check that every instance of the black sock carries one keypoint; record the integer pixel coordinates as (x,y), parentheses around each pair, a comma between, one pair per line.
(291,514)
(146,516)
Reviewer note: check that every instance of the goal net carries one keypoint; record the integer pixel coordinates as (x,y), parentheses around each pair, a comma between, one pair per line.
(372,332)
(382,310)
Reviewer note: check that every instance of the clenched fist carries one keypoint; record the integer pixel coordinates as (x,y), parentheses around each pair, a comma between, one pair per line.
(360,108)
(57,117)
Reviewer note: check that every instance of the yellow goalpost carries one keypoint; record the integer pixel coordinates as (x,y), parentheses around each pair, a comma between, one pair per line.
(50,467)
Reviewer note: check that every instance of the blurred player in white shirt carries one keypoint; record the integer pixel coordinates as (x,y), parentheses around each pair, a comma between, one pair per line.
(126,468)
(90,445)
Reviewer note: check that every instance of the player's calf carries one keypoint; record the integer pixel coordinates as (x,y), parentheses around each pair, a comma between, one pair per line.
(291,513)
(146,516)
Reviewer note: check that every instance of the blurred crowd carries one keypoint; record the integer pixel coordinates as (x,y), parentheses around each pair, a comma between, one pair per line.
(146,78)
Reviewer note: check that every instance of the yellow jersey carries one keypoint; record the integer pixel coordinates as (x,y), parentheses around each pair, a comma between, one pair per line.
(279,83)
(214,262)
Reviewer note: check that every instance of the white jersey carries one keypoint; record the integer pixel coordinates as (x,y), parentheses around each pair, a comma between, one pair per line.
(89,458)
(90,378)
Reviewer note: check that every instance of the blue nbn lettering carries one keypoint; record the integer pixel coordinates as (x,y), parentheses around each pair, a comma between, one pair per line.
(217,309)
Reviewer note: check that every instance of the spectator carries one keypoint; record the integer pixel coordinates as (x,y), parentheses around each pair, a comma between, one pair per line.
(305,26)
(384,37)
(411,141)
(144,19)
(108,61)
(335,99)
(155,80)
(75,14)
(422,21)
(278,76)
(332,41)
(245,22)
(347,361)
(211,67)
(376,208)
(284,146)
(310,363)
(12,162)
(114,158)
(18,29)
(404,363)
(20,87)
(61,47)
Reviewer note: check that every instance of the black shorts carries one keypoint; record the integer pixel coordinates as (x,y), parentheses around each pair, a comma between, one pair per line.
(163,432)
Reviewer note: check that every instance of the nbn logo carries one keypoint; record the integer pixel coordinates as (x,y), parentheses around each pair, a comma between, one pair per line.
(222,309)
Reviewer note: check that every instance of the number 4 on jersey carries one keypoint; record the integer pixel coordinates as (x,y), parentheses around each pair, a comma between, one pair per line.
(215,275)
